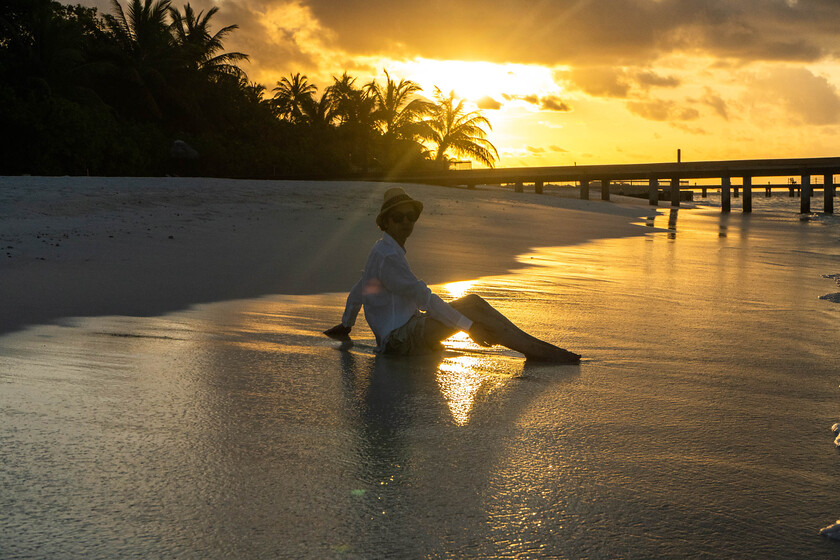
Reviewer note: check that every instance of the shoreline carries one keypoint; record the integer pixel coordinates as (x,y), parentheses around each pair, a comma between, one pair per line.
(92,246)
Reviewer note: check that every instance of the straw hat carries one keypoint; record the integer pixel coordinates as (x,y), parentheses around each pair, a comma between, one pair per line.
(396,196)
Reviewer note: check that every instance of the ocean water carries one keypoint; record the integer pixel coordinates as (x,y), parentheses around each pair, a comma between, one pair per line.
(697,425)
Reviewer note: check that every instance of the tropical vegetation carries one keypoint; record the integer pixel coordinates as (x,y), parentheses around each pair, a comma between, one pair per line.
(149,89)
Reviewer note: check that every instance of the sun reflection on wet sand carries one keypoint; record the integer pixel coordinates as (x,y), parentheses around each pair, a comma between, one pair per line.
(458,289)
(461,378)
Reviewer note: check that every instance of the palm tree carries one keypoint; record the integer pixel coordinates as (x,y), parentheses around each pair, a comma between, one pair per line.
(396,112)
(344,94)
(202,51)
(355,113)
(145,48)
(453,129)
(253,91)
(143,33)
(292,95)
(321,113)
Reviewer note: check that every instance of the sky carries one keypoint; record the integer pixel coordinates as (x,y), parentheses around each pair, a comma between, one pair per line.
(577,82)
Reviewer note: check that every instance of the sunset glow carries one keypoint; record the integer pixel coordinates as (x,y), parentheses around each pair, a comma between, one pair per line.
(578,82)
(480,81)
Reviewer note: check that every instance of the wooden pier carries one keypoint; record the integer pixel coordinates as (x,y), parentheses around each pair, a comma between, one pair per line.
(670,174)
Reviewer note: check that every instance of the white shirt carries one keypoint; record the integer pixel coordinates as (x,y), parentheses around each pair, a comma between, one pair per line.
(391,294)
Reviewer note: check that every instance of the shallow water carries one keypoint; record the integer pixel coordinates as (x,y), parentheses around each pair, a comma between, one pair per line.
(697,426)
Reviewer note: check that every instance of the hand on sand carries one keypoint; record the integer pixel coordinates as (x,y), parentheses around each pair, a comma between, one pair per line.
(482,335)
(338,332)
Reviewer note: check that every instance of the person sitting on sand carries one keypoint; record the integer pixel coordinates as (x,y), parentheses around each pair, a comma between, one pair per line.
(404,314)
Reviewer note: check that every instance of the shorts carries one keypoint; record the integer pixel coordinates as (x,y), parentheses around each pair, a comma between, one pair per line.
(410,339)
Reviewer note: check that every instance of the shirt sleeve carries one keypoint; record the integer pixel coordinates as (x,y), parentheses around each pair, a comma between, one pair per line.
(353,305)
(397,277)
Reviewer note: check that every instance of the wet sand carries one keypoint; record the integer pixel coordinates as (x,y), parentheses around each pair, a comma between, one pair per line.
(80,246)
(697,425)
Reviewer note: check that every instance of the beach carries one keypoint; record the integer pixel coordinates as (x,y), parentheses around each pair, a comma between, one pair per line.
(134,246)
(166,391)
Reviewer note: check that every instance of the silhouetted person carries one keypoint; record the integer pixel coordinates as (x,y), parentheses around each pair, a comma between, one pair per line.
(404,314)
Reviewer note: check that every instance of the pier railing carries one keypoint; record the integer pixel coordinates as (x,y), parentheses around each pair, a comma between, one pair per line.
(654,173)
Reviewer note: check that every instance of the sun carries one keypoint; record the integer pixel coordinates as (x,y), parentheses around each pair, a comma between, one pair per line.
(477,80)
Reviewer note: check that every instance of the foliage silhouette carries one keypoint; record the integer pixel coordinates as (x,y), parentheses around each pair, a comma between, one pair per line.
(199,49)
(293,96)
(82,93)
(451,128)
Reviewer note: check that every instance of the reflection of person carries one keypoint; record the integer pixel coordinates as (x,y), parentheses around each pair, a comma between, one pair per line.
(404,314)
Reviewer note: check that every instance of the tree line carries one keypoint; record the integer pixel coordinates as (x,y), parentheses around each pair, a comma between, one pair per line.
(84,93)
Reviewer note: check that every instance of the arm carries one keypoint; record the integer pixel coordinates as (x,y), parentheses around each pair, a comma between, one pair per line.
(351,310)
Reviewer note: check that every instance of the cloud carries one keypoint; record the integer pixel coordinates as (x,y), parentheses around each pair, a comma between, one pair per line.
(612,44)
(546,103)
(601,81)
(554,103)
(615,81)
(534,150)
(648,78)
(558,149)
(328,36)
(488,103)
(695,130)
(662,110)
(715,102)
(621,32)
(805,96)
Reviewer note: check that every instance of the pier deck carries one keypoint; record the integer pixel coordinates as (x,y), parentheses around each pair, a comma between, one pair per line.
(671,173)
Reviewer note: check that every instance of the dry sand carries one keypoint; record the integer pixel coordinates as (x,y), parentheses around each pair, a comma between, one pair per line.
(80,246)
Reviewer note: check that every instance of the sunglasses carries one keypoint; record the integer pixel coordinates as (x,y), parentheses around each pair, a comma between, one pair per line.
(398,217)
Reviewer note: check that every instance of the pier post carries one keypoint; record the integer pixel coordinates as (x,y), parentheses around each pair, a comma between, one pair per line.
(805,199)
(653,192)
(538,187)
(747,208)
(704,192)
(768,192)
(791,192)
(828,193)
(584,189)
(675,192)
(737,191)
(518,187)
(725,194)
(605,189)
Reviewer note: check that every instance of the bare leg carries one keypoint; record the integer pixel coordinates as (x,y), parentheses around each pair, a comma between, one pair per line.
(505,332)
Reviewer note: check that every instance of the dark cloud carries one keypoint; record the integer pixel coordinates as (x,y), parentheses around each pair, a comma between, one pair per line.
(610,44)
(648,78)
(623,32)
(554,103)
(546,103)
(534,150)
(558,149)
